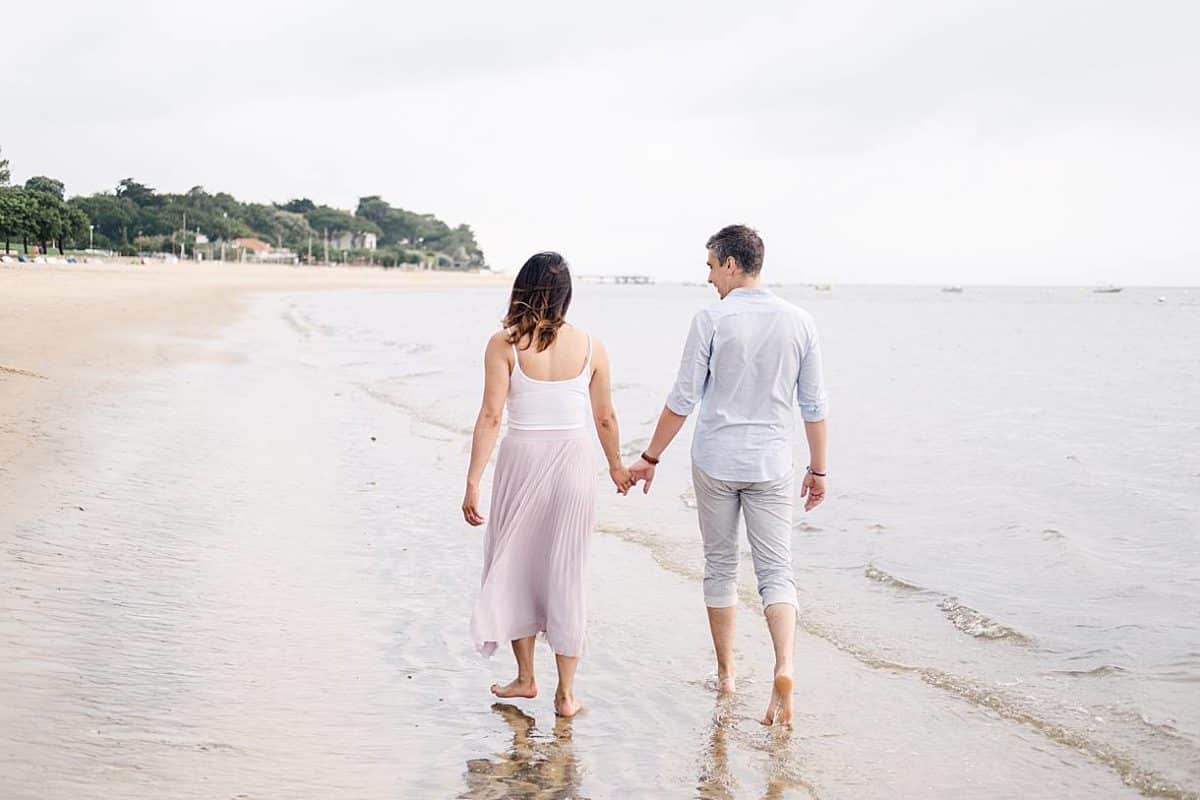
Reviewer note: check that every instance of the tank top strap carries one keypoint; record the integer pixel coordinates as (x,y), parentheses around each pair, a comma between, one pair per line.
(587,367)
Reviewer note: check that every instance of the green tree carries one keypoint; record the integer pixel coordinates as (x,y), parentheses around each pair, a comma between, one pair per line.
(5,174)
(16,215)
(50,186)
(48,222)
(74,227)
(114,217)
(136,216)
(294,230)
(138,193)
(300,205)
(335,220)
(49,213)
(376,211)
(400,226)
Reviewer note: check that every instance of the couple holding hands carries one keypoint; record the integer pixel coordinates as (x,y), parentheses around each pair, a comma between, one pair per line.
(749,359)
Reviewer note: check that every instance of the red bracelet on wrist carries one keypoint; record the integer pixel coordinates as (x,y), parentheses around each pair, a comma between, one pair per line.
(651,461)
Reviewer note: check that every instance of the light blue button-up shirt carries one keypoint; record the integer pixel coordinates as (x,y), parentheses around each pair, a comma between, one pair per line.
(748,360)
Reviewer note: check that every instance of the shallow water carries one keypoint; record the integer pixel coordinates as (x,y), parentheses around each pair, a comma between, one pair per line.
(248,575)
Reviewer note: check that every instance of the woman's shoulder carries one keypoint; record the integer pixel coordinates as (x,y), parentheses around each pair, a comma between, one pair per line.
(586,336)
(583,333)
(499,341)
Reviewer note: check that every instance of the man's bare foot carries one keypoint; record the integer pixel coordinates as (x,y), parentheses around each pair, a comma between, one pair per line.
(726,684)
(518,688)
(566,706)
(780,709)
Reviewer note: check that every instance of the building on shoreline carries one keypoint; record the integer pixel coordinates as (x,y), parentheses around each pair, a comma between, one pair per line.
(249,249)
(345,240)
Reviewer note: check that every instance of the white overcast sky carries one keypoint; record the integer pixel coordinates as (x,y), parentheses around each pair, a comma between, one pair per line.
(922,141)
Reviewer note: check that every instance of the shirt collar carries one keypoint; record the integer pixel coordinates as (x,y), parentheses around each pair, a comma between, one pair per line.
(748,291)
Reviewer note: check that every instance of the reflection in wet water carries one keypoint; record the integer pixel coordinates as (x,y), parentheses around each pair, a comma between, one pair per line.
(266,617)
(717,781)
(782,768)
(534,766)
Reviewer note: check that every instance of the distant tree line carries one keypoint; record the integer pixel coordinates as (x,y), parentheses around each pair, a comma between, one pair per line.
(134,218)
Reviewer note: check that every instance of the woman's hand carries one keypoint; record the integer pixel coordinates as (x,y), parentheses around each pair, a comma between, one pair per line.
(621,479)
(470,506)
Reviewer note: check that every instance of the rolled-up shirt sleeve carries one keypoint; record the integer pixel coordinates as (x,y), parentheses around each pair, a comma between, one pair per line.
(693,367)
(810,386)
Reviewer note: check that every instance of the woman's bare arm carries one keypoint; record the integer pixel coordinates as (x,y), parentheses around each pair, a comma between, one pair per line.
(496,376)
(605,416)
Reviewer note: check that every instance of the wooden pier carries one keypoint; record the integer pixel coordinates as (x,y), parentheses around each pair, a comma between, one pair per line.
(622,280)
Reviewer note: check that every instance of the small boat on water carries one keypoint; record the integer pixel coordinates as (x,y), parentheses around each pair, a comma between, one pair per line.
(822,287)
(1109,289)
(952,289)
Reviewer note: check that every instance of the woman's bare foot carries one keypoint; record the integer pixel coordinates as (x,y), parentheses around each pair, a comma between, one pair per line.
(780,709)
(518,688)
(726,684)
(566,706)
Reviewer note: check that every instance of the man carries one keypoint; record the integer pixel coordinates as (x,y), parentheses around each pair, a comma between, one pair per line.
(748,359)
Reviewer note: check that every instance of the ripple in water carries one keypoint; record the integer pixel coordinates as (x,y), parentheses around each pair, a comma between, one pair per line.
(977,624)
(876,574)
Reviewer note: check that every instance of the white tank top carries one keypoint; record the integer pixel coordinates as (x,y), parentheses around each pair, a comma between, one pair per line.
(535,405)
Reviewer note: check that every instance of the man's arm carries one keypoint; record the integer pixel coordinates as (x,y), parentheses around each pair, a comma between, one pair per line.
(815,433)
(812,490)
(810,396)
(669,425)
(689,386)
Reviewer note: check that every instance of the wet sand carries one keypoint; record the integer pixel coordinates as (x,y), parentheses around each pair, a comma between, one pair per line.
(238,570)
(80,328)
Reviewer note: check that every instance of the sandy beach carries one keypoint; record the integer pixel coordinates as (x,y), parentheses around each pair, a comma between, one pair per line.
(70,330)
(233,566)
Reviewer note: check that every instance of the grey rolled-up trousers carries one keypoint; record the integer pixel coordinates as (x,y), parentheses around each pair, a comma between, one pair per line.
(767,508)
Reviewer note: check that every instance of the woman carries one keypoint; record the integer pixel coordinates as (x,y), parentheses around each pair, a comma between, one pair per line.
(544,490)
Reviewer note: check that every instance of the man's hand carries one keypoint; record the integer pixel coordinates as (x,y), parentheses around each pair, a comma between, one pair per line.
(813,489)
(642,470)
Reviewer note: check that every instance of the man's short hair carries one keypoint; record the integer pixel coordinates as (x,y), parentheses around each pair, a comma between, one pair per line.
(740,242)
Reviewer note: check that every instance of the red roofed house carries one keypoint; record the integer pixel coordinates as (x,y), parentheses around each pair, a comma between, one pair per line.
(253,245)
(258,250)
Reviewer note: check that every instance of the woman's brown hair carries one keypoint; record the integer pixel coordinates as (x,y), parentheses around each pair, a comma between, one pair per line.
(541,295)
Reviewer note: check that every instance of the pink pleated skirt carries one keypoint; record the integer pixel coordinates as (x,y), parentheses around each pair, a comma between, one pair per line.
(536,550)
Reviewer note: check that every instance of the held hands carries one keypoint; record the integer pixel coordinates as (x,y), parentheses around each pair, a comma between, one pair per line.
(621,479)
(625,478)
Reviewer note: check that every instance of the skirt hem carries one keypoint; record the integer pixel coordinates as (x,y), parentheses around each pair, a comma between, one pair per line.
(487,647)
